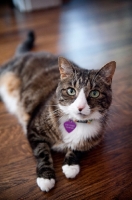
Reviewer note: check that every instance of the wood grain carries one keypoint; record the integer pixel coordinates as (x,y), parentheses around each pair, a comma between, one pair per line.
(91,33)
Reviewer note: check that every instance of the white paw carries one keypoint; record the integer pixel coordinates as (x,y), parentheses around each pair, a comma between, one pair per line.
(45,184)
(70,171)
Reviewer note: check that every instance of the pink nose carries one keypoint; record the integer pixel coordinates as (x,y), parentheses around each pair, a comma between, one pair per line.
(80,109)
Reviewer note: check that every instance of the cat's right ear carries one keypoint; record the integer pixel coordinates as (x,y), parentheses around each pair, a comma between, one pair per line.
(65,67)
(108,71)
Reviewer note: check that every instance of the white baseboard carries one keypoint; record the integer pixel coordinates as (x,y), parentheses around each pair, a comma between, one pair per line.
(29,5)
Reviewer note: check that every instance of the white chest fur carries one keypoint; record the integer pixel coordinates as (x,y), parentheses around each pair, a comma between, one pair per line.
(82,132)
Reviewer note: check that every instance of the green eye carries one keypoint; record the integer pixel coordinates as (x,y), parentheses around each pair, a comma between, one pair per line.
(71,91)
(94,93)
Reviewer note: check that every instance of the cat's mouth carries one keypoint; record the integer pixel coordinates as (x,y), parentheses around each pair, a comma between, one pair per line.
(81,116)
(94,114)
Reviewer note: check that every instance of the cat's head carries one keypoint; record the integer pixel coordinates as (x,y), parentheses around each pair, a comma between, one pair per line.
(84,94)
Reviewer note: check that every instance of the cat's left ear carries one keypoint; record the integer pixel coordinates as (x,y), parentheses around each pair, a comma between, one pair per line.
(107,71)
(65,67)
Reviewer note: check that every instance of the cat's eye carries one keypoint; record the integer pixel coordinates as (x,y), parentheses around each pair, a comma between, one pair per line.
(94,93)
(71,91)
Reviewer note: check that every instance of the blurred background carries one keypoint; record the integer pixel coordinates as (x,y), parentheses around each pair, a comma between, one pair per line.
(90,33)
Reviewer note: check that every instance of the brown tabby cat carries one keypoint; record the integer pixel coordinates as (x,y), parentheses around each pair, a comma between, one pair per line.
(64,111)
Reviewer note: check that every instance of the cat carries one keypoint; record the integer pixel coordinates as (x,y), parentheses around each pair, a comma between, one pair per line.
(60,106)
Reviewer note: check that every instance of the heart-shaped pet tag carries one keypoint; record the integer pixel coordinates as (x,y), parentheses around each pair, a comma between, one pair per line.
(69,126)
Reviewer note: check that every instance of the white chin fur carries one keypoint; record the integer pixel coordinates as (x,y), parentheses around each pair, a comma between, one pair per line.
(71,171)
(71,115)
(45,184)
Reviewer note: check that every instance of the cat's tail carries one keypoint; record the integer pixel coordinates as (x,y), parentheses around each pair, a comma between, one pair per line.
(27,44)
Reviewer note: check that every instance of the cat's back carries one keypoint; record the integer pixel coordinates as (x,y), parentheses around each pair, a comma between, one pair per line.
(37,70)
(30,63)
(33,75)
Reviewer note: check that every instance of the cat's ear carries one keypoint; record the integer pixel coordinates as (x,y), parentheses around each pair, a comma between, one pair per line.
(65,67)
(107,71)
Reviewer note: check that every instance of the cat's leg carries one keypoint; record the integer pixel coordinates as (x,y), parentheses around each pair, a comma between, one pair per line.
(45,170)
(71,165)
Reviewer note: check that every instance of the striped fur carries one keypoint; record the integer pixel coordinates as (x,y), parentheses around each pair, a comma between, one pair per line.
(32,83)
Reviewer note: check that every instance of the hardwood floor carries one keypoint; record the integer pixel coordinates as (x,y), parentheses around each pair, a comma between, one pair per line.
(91,33)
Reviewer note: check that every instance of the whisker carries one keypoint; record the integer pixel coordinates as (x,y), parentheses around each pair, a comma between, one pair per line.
(111,111)
(113,104)
(51,105)
(52,113)
(107,124)
(62,116)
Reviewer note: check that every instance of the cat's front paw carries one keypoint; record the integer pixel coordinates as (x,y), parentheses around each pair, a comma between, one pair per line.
(45,184)
(71,171)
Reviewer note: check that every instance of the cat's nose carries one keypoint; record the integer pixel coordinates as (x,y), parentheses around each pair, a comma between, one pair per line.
(80,109)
